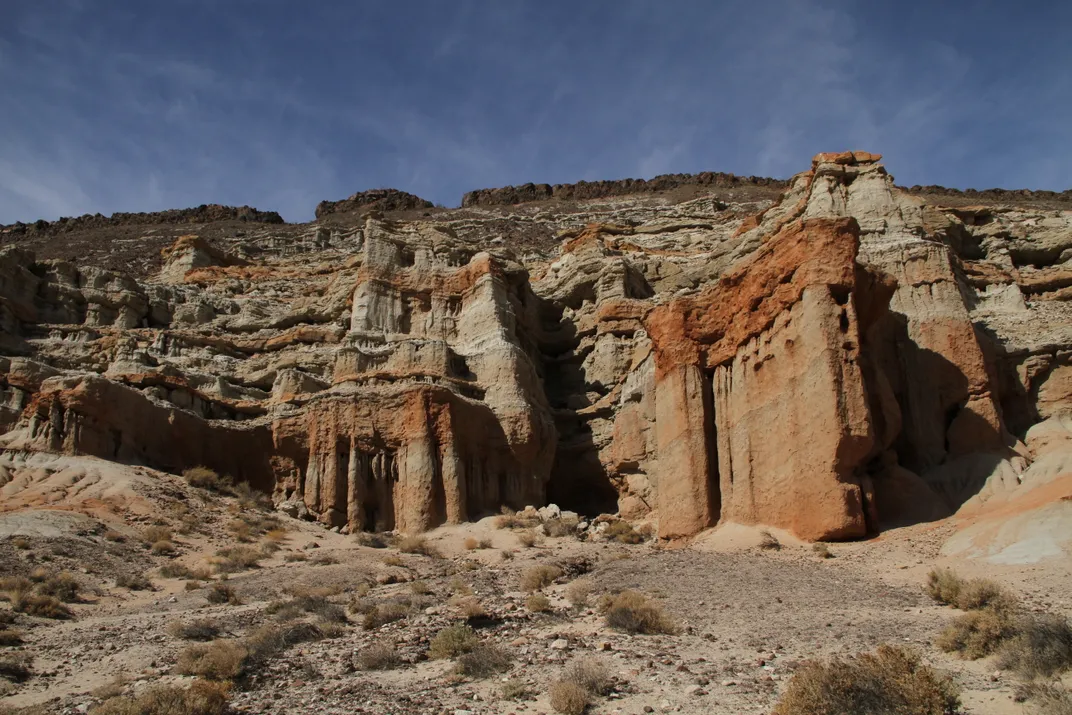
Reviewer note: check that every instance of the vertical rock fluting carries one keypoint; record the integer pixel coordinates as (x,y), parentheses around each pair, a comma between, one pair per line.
(760,394)
(436,413)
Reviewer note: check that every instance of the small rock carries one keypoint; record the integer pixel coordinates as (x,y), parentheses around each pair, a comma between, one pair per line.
(560,644)
(694,690)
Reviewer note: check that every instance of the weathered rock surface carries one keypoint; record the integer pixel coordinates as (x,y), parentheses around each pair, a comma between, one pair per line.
(839,358)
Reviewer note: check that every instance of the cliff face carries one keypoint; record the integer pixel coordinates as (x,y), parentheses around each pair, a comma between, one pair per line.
(842,357)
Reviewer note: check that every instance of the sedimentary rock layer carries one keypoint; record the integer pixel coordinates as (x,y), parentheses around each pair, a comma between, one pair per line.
(831,355)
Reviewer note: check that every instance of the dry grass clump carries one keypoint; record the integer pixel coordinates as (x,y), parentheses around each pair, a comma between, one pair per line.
(591,674)
(35,604)
(1046,699)
(420,588)
(21,543)
(378,657)
(375,540)
(768,541)
(201,698)
(510,519)
(203,629)
(634,612)
(472,543)
(174,569)
(222,593)
(133,582)
(268,641)
(538,603)
(1041,646)
(527,538)
(153,534)
(218,660)
(539,576)
(15,666)
(323,558)
(515,690)
(623,532)
(483,661)
(10,637)
(417,545)
(163,548)
(822,550)
(471,608)
(578,591)
(891,681)
(384,613)
(945,586)
(205,478)
(560,527)
(568,698)
(63,585)
(977,634)
(237,558)
(452,642)
(295,556)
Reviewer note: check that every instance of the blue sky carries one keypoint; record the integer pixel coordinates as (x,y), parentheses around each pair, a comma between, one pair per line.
(137,105)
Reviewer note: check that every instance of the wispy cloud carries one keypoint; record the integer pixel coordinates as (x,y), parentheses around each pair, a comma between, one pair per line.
(108,107)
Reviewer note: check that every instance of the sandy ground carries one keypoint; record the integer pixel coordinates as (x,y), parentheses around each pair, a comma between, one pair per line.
(748,616)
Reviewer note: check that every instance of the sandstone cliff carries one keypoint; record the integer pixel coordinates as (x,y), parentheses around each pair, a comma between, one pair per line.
(839,358)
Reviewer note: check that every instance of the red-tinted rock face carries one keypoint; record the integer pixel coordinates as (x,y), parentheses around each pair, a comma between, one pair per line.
(845,358)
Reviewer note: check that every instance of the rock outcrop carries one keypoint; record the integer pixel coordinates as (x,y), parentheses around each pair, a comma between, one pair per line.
(835,359)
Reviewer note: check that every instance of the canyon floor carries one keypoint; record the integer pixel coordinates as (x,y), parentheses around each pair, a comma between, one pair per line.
(749,606)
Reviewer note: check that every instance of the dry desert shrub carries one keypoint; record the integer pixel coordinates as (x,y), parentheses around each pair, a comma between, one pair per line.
(375,540)
(510,519)
(295,556)
(578,591)
(591,674)
(203,629)
(568,698)
(471,609)
(276,536)
(153,534)
(63,586)
(133,582)
(378,657)
(891,681)
(1046,699)
(323,558)
(205,478)
(35,604)
(538,603)
(176,570)
(945,586)
(452,642)
(21,543)
(10,637)
(218,660)
(267,641)
(768,541)
(163,548)
(471,543)
(1041,646)
(634,612)
(483,661)
(420,588)
(237,558)
(506,555)
(977,634)
(559,527)
(417,545)
(623,532)
(201,698)
(221,593)
(527,538)
(384,613)
(515,690)
(822,550)
(539,576)
(15,666)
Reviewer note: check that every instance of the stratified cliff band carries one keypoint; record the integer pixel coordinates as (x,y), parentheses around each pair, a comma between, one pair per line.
(831,355)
